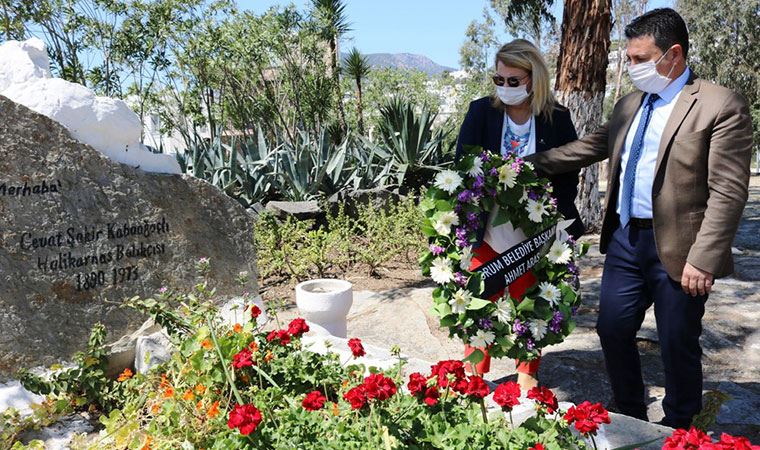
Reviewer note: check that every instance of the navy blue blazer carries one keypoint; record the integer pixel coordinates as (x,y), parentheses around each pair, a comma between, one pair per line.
(482,126)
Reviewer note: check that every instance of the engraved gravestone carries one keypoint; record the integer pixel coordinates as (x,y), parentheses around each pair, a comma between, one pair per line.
(79,233)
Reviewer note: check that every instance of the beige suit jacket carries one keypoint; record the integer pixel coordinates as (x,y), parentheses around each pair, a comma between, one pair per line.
(701,176)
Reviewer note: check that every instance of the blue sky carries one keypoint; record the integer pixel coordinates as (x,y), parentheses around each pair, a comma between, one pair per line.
(427,27)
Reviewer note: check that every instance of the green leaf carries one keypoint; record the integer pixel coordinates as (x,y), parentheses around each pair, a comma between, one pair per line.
(526,305)
(475,357)
(427,204)
(478,303)
(443,206)
(501,217)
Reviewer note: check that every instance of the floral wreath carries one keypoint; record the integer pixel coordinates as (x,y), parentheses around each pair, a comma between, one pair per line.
(454,209)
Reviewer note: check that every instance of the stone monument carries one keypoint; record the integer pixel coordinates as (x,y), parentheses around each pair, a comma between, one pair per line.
(80,232)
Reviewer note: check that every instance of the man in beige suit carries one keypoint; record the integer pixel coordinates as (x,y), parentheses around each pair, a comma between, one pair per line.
(679,152)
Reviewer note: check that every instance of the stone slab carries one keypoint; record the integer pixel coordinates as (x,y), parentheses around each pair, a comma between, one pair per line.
(79,233)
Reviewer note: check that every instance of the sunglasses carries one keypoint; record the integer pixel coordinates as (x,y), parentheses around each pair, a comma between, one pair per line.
(499,80)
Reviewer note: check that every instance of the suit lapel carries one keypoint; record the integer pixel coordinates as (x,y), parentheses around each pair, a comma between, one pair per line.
(681,109)
(628,112)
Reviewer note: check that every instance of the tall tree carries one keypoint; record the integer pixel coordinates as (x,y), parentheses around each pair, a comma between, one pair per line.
(332,16)
(357,67)
(724,48)
(474,55)
(580,85)
(530,18)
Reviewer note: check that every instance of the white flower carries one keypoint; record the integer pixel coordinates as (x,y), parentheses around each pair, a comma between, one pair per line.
(448,180)
(477,167)
(536,210)
(482,339)
(445,221)
(549,292)
(504,310)
(460,301)
(507,175)
(466,260)
(559,253)
(441,271)
(524,197)
(537,329)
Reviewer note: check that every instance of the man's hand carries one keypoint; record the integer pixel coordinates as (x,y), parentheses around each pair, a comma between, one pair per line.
(696,281)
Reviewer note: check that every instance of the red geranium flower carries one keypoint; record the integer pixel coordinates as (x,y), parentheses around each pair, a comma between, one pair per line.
(379,387)
(282,335)
(314,401)
(431,396)
(355,344)
(728,442)
(538,446)
(544,397)
(443,368)
(477,387)
(507,395)
(687,440)
(245,418)
(587,417)
(417,383)
(242,359)
(255,312)
(356,397)
(297,327)
(736,443)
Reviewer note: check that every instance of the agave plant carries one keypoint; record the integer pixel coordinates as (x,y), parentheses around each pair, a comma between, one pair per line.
(243,170)
(312,166)
(416,150)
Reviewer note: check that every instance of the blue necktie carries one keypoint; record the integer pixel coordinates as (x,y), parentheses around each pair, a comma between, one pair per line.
(629,178)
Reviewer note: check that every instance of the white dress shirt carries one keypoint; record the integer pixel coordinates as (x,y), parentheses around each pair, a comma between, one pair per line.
(641,204)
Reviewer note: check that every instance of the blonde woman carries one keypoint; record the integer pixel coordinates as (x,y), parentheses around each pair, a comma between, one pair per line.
(522,117)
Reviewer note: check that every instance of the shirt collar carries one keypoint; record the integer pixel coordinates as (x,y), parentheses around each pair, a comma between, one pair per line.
(671,91)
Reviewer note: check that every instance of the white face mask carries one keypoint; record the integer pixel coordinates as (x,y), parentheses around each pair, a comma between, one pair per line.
(512,95)
(646,78)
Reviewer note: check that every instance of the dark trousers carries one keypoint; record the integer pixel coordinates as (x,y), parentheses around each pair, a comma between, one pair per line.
(633,280)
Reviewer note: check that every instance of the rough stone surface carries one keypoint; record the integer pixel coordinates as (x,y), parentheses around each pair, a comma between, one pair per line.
(52,188)
(121,354)
(152,350)
(298,210)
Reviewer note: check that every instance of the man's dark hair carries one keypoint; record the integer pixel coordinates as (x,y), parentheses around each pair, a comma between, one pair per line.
(666,27)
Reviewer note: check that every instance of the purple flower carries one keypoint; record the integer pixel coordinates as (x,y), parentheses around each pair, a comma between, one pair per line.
(464,196)
(572,268)
(493,172)
(436,249)
(530,345)
(461,233)
(484,156)
(533,195)
(517,167)
(485,323)
(473,220)
(479,182)
(458,208)
(556,323)
(518,328)
(460,279)
(163,290)
(553,201)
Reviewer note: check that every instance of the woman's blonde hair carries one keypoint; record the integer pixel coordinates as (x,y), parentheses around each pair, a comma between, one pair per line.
(524,55)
